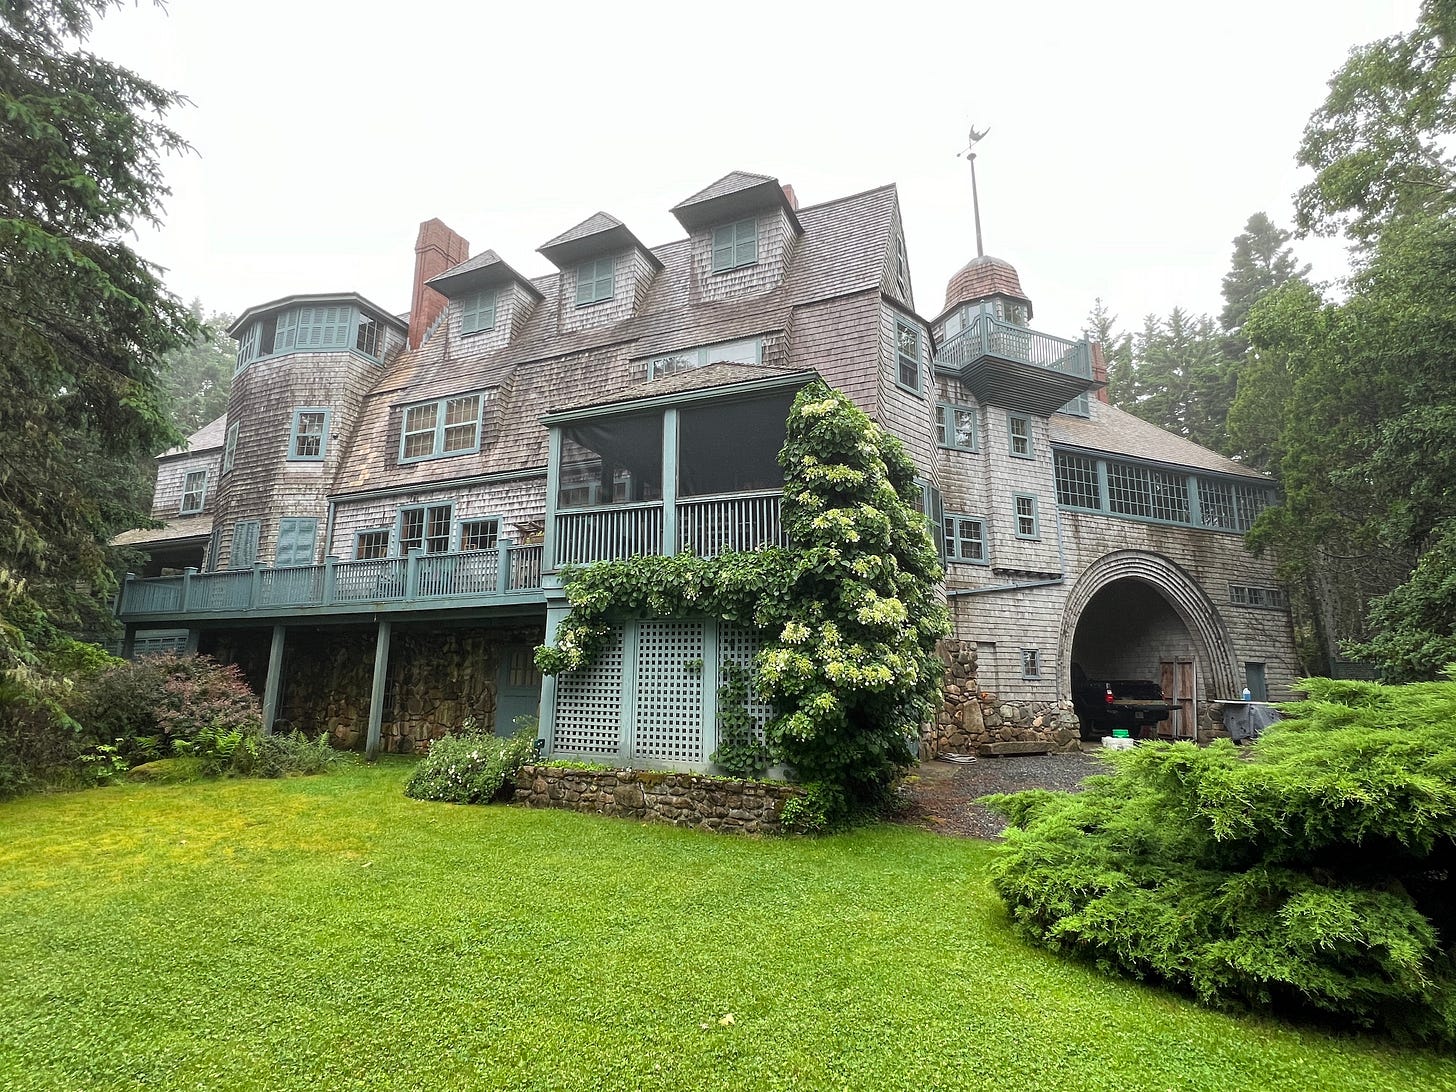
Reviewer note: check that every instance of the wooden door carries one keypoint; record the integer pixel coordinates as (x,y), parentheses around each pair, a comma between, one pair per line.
(1177,679)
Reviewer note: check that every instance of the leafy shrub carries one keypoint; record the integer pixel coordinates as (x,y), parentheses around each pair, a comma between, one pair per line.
(1313,875)
(469,768)
(816,810)
(741,750)
(39,743)
(292,752)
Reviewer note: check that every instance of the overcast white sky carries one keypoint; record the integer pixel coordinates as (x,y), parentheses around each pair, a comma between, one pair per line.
(1129,142)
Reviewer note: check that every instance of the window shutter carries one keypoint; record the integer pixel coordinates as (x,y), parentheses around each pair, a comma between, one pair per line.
(478,313)
(723,247)
(747,233)
(285,336)
(295,541)
(244,551)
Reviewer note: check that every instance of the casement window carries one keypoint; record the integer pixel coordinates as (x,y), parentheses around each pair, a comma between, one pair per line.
(1077,483)
(368,337)
(956,427)
(1249,595)
(243,553)
(1148,492)
(1031,663)
(1027,525)
(230,447)
(479,534)
(477,311)
(1018,433)
(313,328)
(735,245)
(372,544)
(907,355)
(308,438)
(1230,506)
(194,492)
(432,430)
(594,281)
(1140,492)
(425,527)
(296,536)
(747,351)
(965,539)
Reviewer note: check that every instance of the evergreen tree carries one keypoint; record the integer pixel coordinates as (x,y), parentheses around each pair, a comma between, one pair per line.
(199,374)
(1116,350)
(1180,380)
(84,321)
(1261,261)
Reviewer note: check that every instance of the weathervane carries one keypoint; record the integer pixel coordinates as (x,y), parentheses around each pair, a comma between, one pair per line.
(970,154)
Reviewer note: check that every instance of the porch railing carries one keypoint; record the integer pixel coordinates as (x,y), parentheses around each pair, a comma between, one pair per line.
(987,336)
(719,525)
(608,534)
(419,580)
(706,526)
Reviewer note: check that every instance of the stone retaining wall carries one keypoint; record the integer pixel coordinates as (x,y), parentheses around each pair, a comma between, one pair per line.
(678,799)
(972,721)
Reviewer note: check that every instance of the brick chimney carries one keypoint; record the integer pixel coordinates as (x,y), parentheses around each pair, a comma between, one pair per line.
(793,199)
(1099,372)
(437,249)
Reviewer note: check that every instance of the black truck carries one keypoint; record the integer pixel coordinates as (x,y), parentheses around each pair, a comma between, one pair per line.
(1104,704)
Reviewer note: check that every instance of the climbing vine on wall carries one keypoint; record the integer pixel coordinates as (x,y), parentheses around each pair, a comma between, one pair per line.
(848,617)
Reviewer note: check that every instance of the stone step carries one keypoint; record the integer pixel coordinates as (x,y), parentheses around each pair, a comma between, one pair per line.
(1021,747)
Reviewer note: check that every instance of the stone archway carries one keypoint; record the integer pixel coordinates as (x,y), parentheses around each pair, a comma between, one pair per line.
(1183,594)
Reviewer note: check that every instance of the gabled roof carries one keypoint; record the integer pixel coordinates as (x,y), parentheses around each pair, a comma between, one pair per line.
(482,271)
(735,194)
(1115,432)
(181,529)
(600,233)
(209,437)
(323,297)
(712,377)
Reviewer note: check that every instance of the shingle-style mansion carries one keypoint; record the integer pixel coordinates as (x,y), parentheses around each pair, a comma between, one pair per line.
(376,528)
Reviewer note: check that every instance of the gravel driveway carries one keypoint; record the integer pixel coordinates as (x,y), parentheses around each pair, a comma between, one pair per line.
(940,795)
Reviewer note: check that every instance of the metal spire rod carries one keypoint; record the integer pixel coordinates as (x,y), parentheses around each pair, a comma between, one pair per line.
(970,153)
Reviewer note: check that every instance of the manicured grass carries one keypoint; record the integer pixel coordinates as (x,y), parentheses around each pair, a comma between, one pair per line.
(326,933)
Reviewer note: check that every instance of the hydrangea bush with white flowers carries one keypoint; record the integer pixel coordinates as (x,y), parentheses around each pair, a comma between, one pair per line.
(469,768)
(848,617)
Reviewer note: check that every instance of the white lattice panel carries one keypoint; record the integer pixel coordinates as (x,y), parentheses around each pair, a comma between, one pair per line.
(589,703)
(669,717)
(738,645)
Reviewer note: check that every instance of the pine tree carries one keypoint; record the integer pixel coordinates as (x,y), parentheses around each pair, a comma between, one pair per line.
(1261,261)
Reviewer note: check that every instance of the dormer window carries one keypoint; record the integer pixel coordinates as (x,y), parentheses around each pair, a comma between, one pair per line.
(194,492)
(748,351)
(477,312)
(594,281)
(735,245)
(367,339)
(434,430)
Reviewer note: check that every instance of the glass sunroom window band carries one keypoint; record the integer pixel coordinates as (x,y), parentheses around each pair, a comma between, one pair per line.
(1134,491)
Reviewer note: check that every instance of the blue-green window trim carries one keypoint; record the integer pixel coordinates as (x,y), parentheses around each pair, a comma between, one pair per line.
(477,312)
(1028,523)
(1018,436)
(311,328)
(433,531)
(743,351)
(372,543)
(473,534)
(297,538)
(595,281)
(907,356)
(1173,496)
(243,550)
(308,436)
(735,245)
(1255,595)
(441,429)
(1031,663)
(194,492)
(965,540)
(949,419)
(230,447)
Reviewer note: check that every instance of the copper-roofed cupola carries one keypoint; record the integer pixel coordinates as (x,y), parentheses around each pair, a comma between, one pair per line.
(987,278)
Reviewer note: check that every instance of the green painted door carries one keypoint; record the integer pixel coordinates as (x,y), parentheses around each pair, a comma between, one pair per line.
(518,689)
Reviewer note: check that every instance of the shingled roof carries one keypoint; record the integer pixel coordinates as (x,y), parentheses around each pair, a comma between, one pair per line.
(208,437)
(599,233)
(485,269)
(1116,432)
(709,377)
(735,194)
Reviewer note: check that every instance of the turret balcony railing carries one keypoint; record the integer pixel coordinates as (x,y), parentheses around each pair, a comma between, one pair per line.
(1018,367)
(421,581)
(706,526)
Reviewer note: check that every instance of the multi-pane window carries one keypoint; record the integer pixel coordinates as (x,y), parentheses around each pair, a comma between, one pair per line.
(907,355)
(1228,505)
(1026,519)
(1145,491)
(450,426)
(230,448)
(367,338)
(372,544)
(296,535)
(735,245)
(194,491)
(965,539)
(425,527)
(311,328)
(1078,407)
(956,426)
(309,435)
(244,550)
(594,281)
(747,351)
(479,534)
(1077,485)
(1031,663)
(1018,431)
(1249,595)
(477,312)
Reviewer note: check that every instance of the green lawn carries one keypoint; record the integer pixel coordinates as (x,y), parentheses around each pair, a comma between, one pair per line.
(326,933)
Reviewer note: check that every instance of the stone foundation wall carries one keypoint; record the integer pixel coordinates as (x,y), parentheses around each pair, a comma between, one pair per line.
(972,721)
(678,799)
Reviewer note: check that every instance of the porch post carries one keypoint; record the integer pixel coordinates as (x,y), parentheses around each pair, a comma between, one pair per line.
(275,677)
(128,638)
(376,695)
(194,639)
(671,539)
(553,485)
